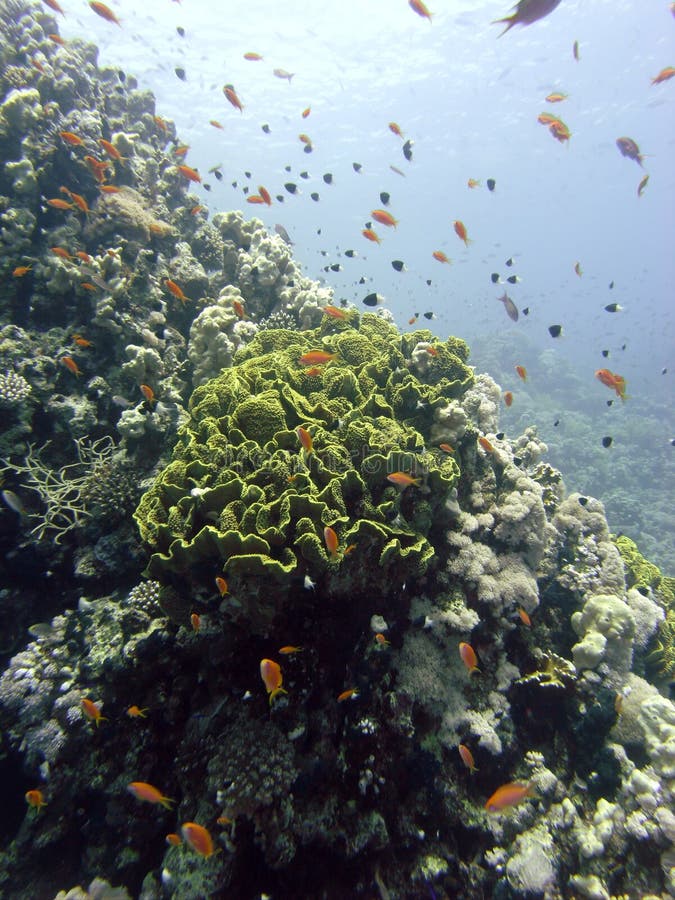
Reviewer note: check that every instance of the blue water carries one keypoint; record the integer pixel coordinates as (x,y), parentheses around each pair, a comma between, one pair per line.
(469,100)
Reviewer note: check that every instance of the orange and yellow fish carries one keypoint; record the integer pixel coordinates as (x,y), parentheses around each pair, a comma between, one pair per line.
(135,712)
(332,542)
(460,231)
(149,793)
(509,795)
(270,672)
(305,439)
(664,75)
(104,12)
(349,694)
(384,218)
(189,173)
(175,290)
(198,838)
(556,97)
(441,257)
(468,657)
(370,235)
(316,358)
(508,398)
(74,140)
(35,799)
(232,97)
(404,479)
(467,758)
(92,711)
(522,372)
(289,649)
(486,445)
(612,380)
(72,366)
(221,584)
(420,8)
(20,271)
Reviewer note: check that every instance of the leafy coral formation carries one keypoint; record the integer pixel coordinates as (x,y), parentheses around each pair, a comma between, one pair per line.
(241,495)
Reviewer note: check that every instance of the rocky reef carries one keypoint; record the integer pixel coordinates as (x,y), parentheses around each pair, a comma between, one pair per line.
(206,471)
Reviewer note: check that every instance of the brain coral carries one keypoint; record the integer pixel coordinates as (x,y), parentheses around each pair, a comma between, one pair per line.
(242,497)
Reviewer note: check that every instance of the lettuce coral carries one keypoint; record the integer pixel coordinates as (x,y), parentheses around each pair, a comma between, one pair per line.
(241,496)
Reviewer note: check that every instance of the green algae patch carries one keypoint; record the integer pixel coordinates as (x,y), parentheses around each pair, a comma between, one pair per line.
(241,497)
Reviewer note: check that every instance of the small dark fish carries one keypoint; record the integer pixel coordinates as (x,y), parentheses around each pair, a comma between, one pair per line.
(605,353)
(373,300)
(407,149)
(628,147)
(509,262)
(509,306)
(357,167)
(517,460)
(611,285)
(343,302)
(672,442)
(180,30)
(180,73)
(583,500)
(491,184)
(556,423)
(308,148)
(247,174)
(234,184)
(500,435)
(266,128)
(280,198)
(555,330)
(398,264)
(362,280)
(318,231)
(314,196)
(244,190)
(429,315)
(514,279)
(283,234)
(526,311)
(495,277)
(328,178)
(323,252)
(287,168)
(384,198)
(350,253)
(609,402)
(304,175)
(607,441)
(428,282)
(623,346)
(218,175)
(613,307)
(291,187)
(207,187)
(664,371)
(527,12)
(122,75)
(335,267)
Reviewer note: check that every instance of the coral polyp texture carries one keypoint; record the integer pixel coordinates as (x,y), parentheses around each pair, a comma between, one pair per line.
(243,497)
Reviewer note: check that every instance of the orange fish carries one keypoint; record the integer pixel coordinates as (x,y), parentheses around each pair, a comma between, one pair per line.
(306,112)
(58,203)
(221,584)
(255,198)
(111,150)
(61,251)
(189,173)
(197,837)
(316,358)
(432,351)
(224,820)
(196,622)
(460,231)
(148,792)
(148,393)
(57,39)
(332,542)
(289,649)
(83,255)
(577,269)
(384,218)
(71,365)
(270,672)
(611,380)
(370,235)
(509,795)
(35,62)
(349,694)
(413,319)
(253,57)
(556,98)
(441,257)
(560,131)
(135,712)
(349,549)
(231,95)
(508,398)
(547,119)
(394,127)
(71,138)
(109,188)
(305,139)
(446,448)
(196,210)
(98,168)
(35,799)
(79,201)
(20,271)
(381,640)
(216,124)
(173,840)
(53,4)
(335,312)
(469,658)
(524,618)
(265,194)
(81,342)
(467,758)
(160,123)
(313,372)
(486,445)
(92,711)
(238,308)
(522,372)
(305,439)
(421,10)
(403,479)
(104,12)
(664,75)
(473,183)
(181,151)
(175,290)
